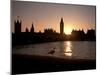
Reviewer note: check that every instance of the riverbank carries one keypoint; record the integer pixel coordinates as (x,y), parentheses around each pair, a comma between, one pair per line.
(25,38)
(23,64)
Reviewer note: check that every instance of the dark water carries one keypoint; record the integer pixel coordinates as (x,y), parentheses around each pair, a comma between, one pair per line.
(65,49)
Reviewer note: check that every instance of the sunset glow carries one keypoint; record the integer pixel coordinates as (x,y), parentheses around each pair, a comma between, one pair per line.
(48,15)
(52,37)
(68,31)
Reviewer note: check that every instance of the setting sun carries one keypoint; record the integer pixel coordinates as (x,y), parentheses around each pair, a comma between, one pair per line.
(67,30)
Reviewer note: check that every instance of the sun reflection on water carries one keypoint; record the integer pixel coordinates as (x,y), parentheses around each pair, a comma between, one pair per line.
(68,50)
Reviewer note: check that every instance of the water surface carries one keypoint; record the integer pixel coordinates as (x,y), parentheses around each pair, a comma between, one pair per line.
(63,49)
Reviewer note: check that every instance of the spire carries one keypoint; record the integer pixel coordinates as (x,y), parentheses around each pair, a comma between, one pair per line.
(18,19)
(17,24)
(27,29)
(61,19)
(32,28)
(61,26)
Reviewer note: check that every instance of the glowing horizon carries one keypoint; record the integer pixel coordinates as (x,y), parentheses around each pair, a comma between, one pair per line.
(48,15)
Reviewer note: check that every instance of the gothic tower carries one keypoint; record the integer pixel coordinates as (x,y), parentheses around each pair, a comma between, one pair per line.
(27,30)
(61,26)
(17,26)
(32,28)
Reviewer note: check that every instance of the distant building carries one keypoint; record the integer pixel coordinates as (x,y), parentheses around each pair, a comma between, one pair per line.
(17,26)
(91,32)
(32,29)
(49,30)
(91,35)
(27,30)
(77,32)
(78,35)
(61,26)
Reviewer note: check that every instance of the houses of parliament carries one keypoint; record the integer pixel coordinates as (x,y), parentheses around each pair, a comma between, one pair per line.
(49,35)
(18,25)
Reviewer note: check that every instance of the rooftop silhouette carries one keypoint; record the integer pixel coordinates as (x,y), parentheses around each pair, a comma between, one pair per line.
(49,34)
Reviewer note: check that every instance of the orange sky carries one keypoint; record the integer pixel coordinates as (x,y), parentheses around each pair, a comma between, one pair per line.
(48,15)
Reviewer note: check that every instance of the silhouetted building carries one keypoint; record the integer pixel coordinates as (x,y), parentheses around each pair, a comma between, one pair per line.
(32,29)
(27,30)
(17,24)
(77,34)
(61,26)
(91,35)
(91,32)
(49,30)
